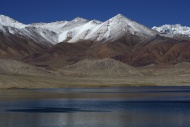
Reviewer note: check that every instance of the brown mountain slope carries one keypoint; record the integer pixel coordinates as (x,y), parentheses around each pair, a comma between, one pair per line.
(67,53)
(128,49)
(111,49)
(160,50)
(13,46)
(59,55)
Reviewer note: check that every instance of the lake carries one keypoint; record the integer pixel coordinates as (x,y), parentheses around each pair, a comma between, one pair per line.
(96,107)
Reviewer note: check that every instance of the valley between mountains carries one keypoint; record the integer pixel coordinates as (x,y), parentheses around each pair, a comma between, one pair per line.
(83,53)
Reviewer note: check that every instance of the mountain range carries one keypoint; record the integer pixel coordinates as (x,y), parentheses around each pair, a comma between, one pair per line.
(61,43)
(78,52)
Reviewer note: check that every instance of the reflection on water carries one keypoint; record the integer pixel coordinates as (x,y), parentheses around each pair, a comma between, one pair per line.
(105,107)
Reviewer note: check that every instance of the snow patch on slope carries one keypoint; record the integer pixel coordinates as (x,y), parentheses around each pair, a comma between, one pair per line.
(78,33)
(54,26)
(40,35)
(37,34)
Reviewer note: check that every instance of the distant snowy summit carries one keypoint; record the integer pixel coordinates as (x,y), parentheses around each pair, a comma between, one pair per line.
(173,29)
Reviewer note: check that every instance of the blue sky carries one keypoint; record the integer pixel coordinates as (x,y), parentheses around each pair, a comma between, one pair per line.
(147,12)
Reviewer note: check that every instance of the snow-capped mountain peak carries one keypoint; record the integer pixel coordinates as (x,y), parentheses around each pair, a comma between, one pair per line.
(7,21)
(173,29)
(116,27)
(11,27)
(119,17)
(130,25)
(79,19)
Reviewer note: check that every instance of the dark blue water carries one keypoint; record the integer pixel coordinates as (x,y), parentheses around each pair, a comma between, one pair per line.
(105,107)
